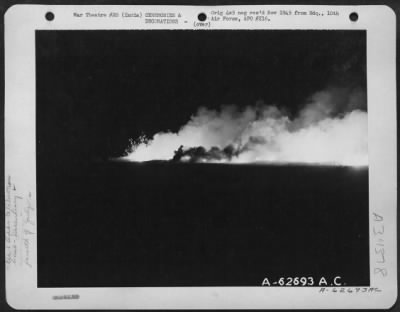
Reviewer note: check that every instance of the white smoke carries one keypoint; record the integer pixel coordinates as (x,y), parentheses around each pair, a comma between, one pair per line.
(331,129)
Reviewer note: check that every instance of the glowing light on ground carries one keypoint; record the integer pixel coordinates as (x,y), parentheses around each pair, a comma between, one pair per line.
(264,134)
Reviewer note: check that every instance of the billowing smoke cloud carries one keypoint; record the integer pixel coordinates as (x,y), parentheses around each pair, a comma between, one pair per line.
(330,129)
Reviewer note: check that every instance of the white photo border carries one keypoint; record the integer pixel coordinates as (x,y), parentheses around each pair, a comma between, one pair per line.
(21,22)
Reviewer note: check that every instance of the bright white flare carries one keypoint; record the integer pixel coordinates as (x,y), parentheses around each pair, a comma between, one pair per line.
(266,134)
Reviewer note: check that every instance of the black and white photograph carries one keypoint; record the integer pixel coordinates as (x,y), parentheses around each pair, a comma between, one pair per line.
(202,158)
(199,165)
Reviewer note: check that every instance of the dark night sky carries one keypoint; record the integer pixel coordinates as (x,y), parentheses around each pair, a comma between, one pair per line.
(97,89)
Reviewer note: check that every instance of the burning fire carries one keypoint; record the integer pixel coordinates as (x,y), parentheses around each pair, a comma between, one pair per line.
(328,130)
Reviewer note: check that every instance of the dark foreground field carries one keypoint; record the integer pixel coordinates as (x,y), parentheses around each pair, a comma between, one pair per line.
(171,224)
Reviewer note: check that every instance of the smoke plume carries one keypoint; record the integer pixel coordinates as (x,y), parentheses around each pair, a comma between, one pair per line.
(330,129)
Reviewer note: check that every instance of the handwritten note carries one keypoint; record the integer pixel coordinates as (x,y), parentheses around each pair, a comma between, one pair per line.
(20,226)
(378,230)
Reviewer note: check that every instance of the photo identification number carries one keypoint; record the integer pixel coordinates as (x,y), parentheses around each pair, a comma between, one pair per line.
(303,281)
